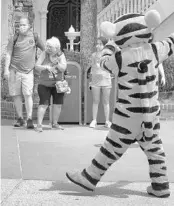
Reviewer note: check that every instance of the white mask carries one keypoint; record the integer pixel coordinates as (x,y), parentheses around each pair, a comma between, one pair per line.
(23,29)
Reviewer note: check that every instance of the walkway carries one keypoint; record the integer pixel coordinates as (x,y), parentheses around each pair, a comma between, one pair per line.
(34,166)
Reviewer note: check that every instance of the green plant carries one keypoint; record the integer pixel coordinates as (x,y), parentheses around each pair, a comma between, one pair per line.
(169,74)
(4,83)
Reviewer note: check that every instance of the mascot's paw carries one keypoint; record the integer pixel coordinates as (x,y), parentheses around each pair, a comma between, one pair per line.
(158,193)
(78,179)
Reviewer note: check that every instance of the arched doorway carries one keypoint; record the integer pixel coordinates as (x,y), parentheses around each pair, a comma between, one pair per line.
(61,15)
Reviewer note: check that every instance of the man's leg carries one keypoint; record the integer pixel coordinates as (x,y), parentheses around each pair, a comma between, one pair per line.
(14,83)
(27,89)
(18,105)
(152,146)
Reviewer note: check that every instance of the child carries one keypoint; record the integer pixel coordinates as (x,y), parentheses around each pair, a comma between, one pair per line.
(100,82)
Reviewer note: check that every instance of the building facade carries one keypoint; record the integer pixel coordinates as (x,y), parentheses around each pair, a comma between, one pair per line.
(51,17)
(54,18)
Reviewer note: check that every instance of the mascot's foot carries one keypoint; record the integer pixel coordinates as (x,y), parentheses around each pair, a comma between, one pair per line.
(80,180)
(156,193)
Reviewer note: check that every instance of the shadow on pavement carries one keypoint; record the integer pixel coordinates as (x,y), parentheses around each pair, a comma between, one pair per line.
(113,190)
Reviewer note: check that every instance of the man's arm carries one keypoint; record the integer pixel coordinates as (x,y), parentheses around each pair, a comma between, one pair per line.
(39,43)
(38,66)
(8,57)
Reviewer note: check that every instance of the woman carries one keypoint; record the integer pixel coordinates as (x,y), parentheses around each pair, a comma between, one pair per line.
(52,65)
(100,82)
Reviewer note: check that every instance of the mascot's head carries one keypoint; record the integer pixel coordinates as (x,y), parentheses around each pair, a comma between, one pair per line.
(131,28)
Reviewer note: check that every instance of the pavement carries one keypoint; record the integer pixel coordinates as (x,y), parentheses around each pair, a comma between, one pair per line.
(33,167)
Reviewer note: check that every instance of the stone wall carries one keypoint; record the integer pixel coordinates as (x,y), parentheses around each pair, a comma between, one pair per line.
(8,111)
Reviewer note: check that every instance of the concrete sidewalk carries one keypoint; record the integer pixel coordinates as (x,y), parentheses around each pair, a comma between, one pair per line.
(48,193)
(34,166)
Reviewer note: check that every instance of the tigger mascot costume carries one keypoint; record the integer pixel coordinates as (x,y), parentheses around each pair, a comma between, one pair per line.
(137,110)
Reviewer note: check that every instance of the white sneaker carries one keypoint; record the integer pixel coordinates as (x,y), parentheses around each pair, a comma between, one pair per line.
(78,179)
(39,128)
(50,125)
(158,193)
(93,124)
(107,124)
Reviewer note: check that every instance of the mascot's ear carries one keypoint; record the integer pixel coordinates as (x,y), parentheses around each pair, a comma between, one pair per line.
(107,29)
(152,18)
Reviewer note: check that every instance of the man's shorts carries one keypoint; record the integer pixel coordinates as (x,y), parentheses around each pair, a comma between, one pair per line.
(45,94)
(20,83)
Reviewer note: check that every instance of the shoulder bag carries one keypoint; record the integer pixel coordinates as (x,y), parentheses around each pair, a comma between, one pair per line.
(62,85)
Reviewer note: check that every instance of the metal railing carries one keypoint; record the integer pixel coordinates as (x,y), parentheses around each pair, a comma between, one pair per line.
(118,8)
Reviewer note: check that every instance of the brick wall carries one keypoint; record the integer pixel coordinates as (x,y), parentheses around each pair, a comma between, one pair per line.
(8,111)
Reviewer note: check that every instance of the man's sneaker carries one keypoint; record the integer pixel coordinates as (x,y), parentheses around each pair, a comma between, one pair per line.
(39,128)
(107,124)
(158,193)
(57,126)
(93,124)
(30,124)
(19,123)
(78,179)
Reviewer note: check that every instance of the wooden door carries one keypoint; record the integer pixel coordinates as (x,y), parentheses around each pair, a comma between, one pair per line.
(61,15)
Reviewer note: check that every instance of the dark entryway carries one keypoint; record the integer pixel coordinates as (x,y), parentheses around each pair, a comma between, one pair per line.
(61,15)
